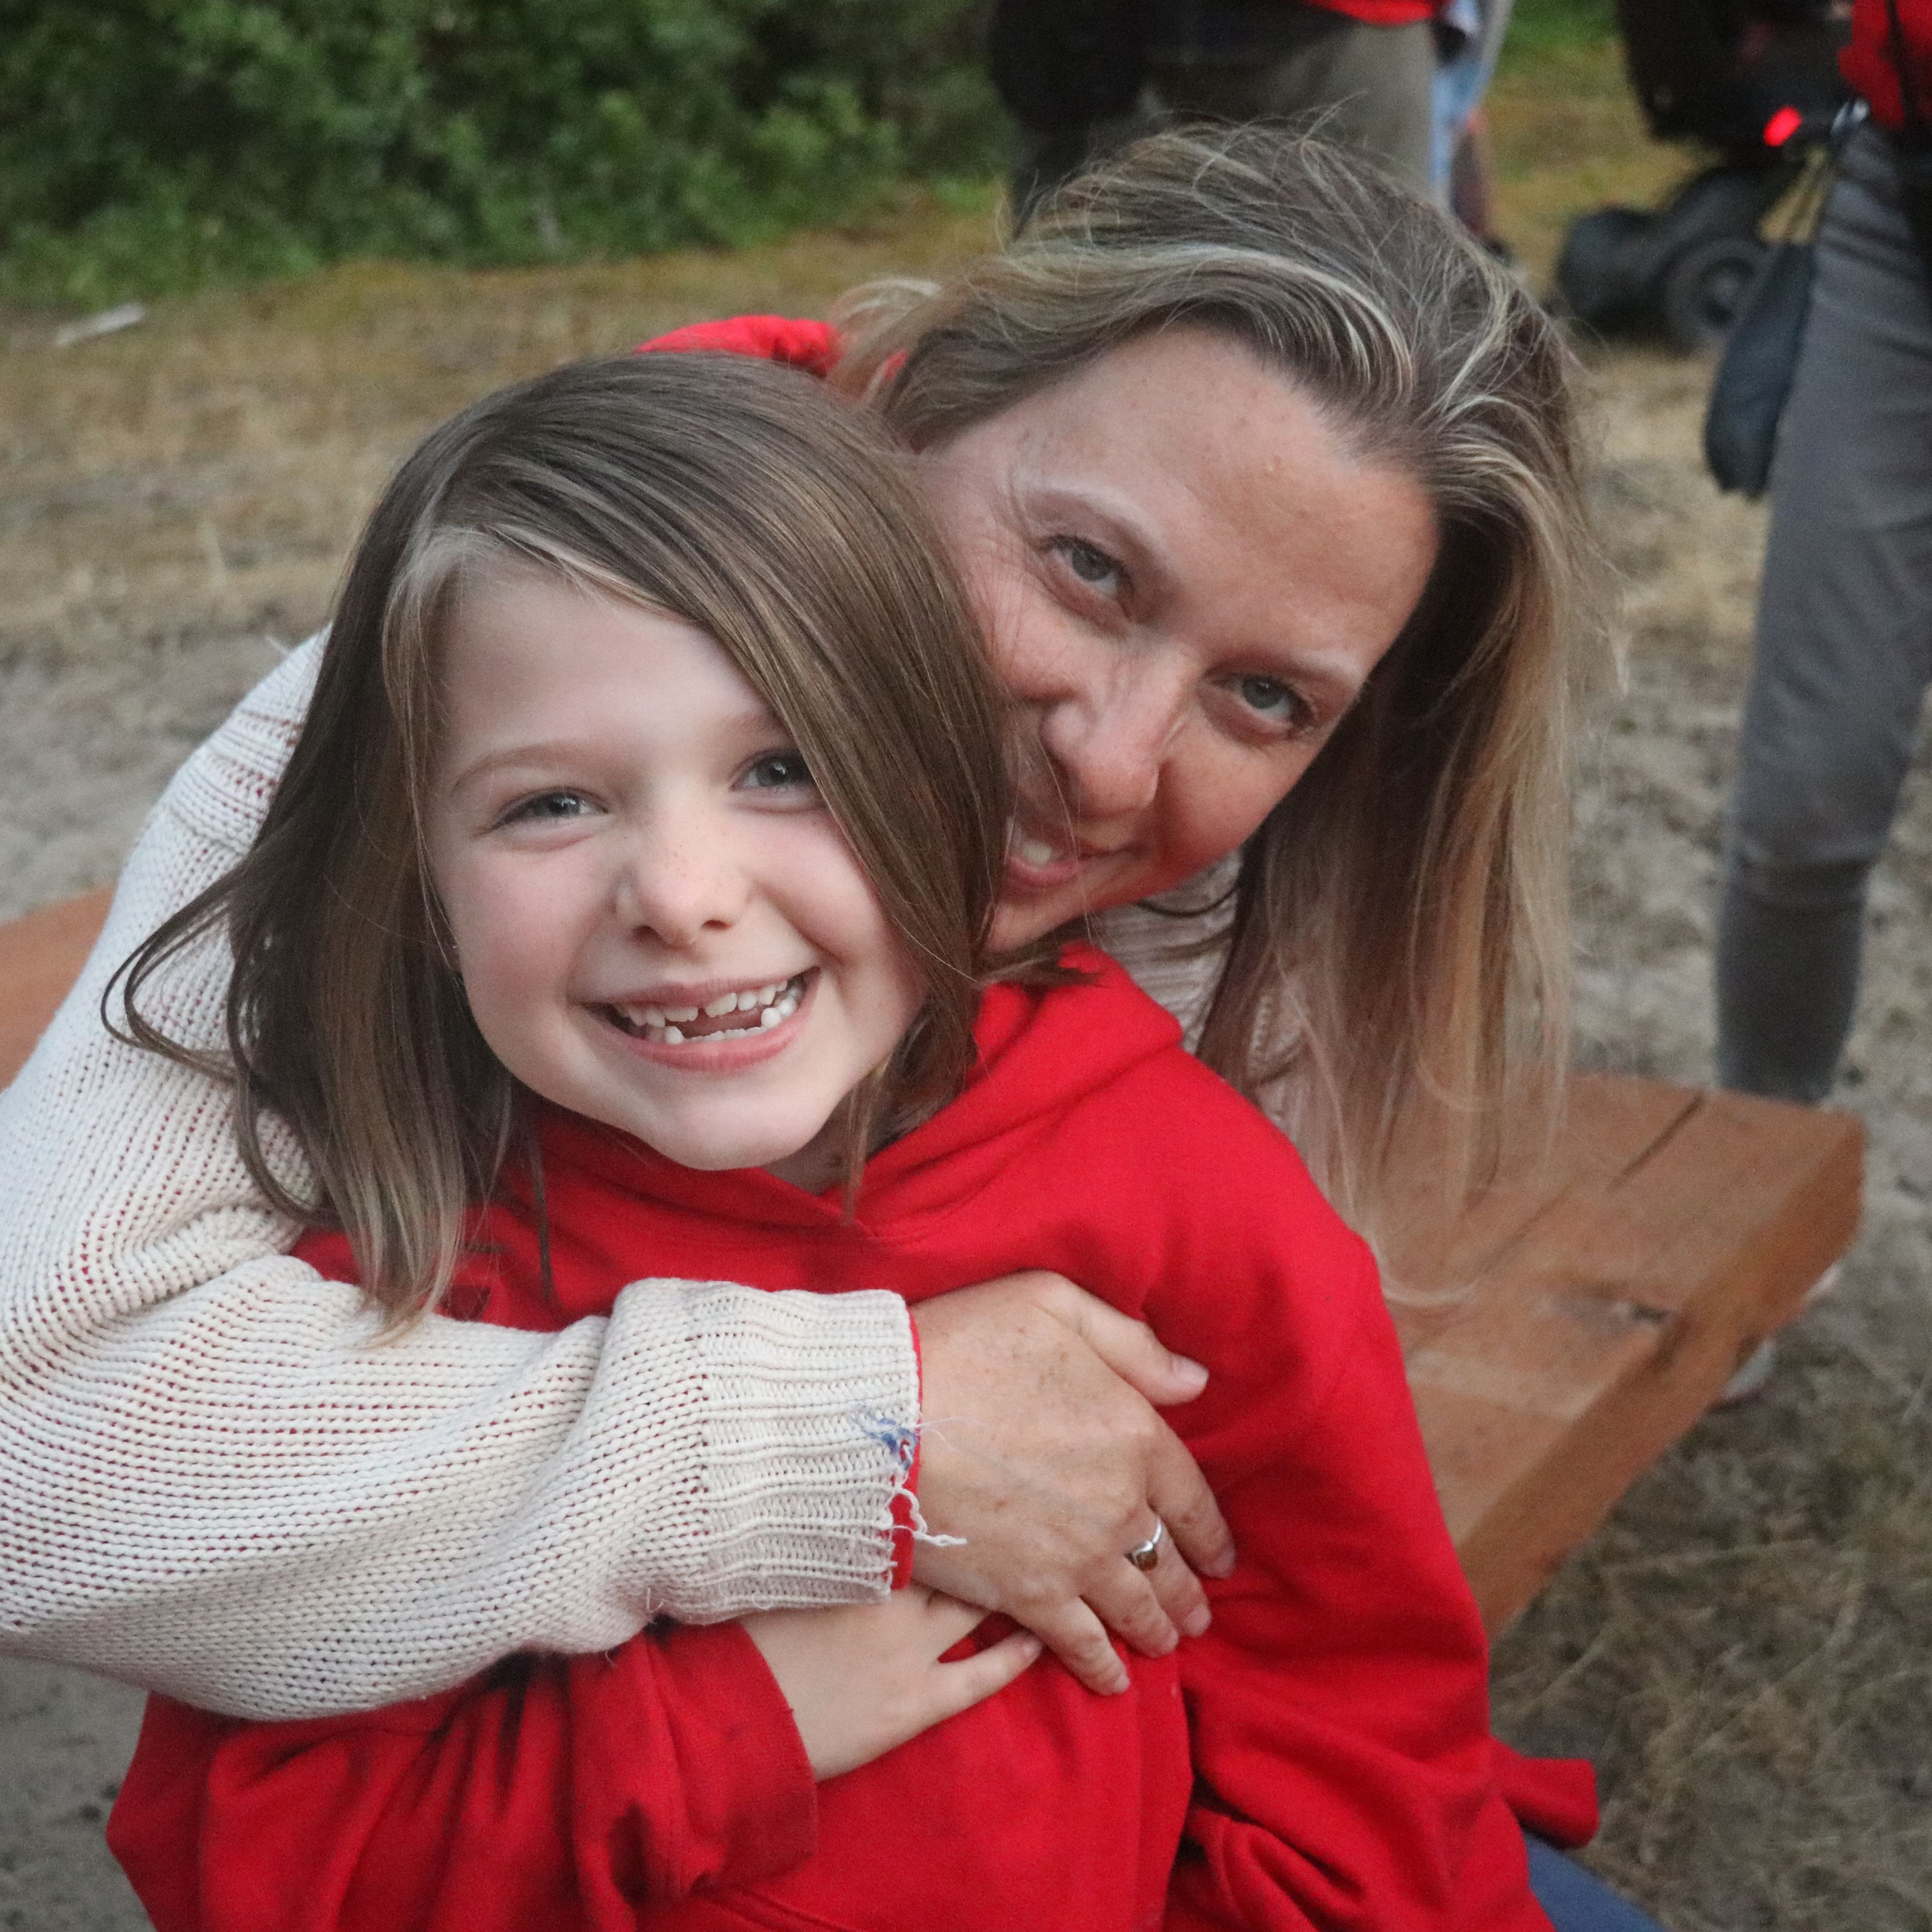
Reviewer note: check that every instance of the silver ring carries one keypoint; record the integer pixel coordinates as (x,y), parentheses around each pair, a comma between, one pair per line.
(1145,1556)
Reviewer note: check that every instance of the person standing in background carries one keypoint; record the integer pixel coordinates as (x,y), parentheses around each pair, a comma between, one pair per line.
(1469,34)
(1843,651)
(1084,76)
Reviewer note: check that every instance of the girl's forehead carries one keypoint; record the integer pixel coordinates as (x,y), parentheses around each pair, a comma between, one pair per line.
(529,660)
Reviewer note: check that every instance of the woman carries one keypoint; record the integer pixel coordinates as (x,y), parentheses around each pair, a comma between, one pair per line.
(1263,482)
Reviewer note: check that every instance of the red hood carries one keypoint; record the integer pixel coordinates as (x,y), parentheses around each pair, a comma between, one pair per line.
(1049,1048)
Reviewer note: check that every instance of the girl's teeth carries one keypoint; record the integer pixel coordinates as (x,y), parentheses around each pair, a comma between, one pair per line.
(1033,852)
(773,1004)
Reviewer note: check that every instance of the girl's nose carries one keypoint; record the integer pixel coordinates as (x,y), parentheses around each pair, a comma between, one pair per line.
(678,881)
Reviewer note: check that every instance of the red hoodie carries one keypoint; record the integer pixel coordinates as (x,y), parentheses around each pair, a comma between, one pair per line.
(1322,1757)
(1870,66)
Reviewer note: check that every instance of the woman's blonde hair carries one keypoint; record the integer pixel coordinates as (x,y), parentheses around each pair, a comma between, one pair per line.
(1397,947)
(739,496)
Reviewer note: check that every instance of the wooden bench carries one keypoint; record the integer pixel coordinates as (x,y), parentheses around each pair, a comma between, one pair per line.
(1560,1334)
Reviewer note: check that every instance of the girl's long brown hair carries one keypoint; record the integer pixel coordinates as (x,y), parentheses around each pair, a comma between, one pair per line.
(739,497)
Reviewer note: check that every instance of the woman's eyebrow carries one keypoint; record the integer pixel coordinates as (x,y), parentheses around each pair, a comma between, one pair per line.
(1123,523)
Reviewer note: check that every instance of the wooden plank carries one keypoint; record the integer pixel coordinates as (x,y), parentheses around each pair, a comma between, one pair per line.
(41,957)
(1599,1315)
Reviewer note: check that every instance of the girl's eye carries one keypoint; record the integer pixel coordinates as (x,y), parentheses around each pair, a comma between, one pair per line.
(778,771)
(548,807)
(1093,566)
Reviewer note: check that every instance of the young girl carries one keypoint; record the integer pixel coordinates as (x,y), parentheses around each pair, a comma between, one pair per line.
(627,893)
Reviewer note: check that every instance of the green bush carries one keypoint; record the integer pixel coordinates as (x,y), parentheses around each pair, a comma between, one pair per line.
(1543,27)
(149,145)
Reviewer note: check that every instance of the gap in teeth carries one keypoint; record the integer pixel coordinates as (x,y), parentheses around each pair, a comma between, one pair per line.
(773,1004)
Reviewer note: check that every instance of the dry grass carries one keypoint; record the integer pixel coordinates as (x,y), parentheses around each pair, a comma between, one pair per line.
(1744,1649)
(172,496)
(206,471)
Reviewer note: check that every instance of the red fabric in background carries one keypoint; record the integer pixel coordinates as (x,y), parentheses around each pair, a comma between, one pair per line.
(1320,1758)
(1381,13)
(1867,63)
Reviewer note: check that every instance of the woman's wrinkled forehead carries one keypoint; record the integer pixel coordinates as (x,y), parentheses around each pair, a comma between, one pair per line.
(1373,436)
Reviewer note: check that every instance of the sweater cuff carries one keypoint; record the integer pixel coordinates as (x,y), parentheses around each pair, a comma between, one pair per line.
(906,1520)
(810,1411)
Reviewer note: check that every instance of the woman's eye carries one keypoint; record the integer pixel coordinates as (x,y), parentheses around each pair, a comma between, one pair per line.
(778,771)
(1093,566)
(548,807)
(1268,697)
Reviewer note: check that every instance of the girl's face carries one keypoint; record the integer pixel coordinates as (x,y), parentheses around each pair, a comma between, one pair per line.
(657,923)
(1187,574)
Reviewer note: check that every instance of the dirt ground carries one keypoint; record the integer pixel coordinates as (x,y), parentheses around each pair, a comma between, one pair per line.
(1743,1650)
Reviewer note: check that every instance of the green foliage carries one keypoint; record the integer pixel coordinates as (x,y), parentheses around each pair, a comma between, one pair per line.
(1545,27)
(150,144)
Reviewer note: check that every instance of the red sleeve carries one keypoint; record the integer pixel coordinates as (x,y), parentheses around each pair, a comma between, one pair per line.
(1384,12)
(1868,63)
(813,347)
(563,1792)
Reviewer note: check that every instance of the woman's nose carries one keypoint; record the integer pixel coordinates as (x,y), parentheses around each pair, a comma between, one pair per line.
(1108,743)
(677,881)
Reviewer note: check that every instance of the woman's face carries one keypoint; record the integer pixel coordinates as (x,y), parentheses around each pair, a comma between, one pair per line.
(1187,574)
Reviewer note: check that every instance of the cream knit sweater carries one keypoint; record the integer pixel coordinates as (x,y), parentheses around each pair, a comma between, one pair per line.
(216,1480)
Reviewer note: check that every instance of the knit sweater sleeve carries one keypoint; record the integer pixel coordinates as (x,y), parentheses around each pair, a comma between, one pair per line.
(221,1481)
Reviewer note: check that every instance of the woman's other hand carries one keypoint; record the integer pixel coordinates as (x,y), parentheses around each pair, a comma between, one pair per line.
(863,1678)
(1039,1446)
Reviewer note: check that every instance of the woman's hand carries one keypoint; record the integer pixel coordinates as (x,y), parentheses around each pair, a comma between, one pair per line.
(862,1679)
(1039,1444)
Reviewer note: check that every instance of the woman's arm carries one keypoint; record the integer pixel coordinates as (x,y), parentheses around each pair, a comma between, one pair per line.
(220,1483)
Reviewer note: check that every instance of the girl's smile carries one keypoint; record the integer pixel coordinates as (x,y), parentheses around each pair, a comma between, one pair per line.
(658,924)
(692,1015)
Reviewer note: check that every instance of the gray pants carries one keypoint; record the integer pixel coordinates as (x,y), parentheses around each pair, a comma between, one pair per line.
(1843,649)
(1370,89)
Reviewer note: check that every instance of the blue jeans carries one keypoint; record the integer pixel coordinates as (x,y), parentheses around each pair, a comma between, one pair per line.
(1576,1901)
